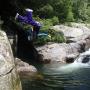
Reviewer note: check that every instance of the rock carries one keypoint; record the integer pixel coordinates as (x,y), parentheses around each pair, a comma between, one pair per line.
(86,59)
(9,79)
(70,58)
(58,52)
(74,33)
(24,69)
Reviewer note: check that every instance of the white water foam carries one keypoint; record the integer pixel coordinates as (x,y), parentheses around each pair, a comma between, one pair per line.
(83,59)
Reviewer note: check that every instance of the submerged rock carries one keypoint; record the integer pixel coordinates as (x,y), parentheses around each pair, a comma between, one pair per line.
(9,79)
(86,59)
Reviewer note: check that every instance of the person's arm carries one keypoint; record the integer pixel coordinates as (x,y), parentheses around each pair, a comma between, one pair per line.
(34,23)
(22,19)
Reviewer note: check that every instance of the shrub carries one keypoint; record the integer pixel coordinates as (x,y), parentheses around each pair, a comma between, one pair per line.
(46,24)
(46,11)
(56,36)
(42,40)
(53,36)
(55,20)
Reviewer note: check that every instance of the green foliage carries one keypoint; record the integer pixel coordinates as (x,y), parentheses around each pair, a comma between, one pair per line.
(47,23)
(88,13)
(59,9)
(42,40)
(80,10)
(53,36)
(55,20)
(68,10)
(46,11)
(70,17)
(64,10)
(56,36)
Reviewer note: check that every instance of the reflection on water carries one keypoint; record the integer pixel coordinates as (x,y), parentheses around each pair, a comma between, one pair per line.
(61,77)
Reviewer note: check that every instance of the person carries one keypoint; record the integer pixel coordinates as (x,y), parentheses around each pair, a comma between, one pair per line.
(28,19)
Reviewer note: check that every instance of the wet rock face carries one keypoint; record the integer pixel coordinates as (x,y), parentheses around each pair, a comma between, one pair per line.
(9,79)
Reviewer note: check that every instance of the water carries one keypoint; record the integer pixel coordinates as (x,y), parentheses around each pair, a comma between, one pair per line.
(75,76)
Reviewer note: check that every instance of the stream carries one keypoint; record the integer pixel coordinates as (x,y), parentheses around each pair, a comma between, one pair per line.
(74,76)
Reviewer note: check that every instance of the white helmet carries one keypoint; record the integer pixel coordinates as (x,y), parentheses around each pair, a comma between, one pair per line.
(29,10)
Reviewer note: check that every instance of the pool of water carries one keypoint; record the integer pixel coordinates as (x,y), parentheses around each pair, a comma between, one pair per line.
(60,77)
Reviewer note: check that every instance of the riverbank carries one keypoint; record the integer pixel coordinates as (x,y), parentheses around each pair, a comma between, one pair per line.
(77,41)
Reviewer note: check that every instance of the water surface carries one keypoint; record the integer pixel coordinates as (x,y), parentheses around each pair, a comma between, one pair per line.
(60,77)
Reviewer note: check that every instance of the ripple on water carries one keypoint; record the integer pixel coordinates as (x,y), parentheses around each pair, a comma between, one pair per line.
(62,77)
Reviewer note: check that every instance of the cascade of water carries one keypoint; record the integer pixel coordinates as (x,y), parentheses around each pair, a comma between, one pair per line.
(83,58)
(83,61)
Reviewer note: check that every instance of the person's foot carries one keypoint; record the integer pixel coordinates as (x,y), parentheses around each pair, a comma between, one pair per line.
(16,16)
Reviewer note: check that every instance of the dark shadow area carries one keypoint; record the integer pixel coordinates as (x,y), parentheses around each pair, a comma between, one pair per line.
(86,59)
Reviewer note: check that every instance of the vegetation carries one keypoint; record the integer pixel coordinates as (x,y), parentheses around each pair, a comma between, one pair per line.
(65,10)
(52,36)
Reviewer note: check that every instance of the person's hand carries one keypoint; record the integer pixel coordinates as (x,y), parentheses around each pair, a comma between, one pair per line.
(16,16)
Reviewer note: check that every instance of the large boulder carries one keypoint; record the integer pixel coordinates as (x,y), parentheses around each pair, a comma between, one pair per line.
(58,52)
(9,79)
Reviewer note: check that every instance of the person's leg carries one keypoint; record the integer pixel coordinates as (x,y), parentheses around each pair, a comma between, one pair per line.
(35,31)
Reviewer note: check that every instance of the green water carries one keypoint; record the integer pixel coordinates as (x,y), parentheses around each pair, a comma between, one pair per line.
(60,77)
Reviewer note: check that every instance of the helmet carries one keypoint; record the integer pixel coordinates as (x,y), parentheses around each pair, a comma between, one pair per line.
(29,10)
